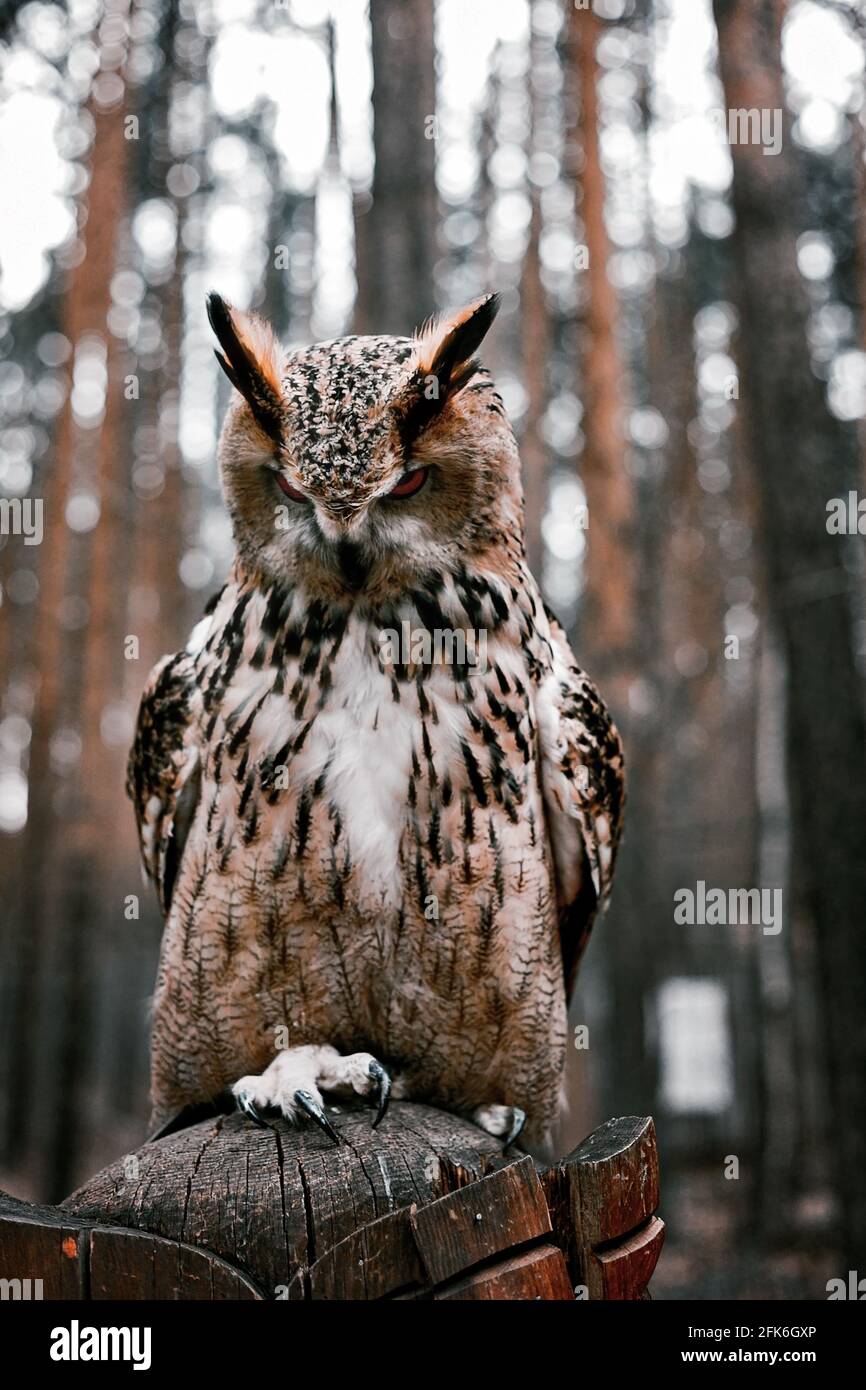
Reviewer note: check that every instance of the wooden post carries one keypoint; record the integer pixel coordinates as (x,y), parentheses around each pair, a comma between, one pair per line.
(604,1197)
(425,1207)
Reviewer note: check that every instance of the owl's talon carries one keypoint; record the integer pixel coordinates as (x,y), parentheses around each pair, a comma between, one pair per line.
(315,1112)
(382,1094)
(516,1127)
(296,1079)
(245,1105)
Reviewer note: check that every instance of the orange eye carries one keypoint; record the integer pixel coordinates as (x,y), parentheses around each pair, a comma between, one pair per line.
(290,491)
(410,483)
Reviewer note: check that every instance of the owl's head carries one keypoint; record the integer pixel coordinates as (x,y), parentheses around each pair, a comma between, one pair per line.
(366,467)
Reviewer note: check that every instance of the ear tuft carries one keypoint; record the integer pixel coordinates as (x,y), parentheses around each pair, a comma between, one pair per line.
(444,350)
(446,343)
(251,358)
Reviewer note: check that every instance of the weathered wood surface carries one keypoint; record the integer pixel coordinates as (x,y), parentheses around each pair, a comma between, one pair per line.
(424,1207)
(274,1201)
(465,1228)
(538,1274)
(625,1270)
(603,1199)
(77,1259)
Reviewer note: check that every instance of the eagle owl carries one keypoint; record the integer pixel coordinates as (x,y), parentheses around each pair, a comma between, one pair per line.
(378,798)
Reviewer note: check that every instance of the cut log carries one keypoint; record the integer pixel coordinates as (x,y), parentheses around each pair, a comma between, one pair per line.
(275,1202)
(427,1206)
(604,1196)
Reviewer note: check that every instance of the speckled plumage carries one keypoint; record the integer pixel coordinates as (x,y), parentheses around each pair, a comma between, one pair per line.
(391,858)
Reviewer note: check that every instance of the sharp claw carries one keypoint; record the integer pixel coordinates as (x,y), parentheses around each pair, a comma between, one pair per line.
(244,1103)
(315,1112)
(383,1089)
(516,1128)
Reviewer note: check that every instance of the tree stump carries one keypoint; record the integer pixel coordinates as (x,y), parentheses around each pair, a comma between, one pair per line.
(426,1206)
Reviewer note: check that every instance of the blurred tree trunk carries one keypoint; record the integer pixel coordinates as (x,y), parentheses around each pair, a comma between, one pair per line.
(535,348)
(754,791)
(24,330)
(705,815)
(396,248)
(605,617)
(157,613)
(20,656)
(607,604)
(858,154)
(858,150)
(90,853)
(801,460)
(674,808)
(161,517)
(780,1165)
(486,149)
(36,1027)
(276,301)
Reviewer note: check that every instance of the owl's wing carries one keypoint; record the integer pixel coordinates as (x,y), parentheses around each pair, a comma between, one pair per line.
(163,774)
(584,794)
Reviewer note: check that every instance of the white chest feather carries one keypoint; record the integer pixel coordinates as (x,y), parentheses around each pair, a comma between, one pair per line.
(361,743)
(364,738)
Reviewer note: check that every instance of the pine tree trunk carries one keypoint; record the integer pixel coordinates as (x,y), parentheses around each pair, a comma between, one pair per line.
(88,299)
(607,605)
(535,346)
(396,248)
(801,459)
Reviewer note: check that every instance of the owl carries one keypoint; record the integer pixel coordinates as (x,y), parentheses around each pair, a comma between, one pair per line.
(379,800)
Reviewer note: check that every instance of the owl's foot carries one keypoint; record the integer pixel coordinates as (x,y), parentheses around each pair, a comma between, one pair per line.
(502,1121)
(295,1079)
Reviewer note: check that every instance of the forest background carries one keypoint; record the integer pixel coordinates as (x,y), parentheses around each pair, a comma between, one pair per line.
(670,196)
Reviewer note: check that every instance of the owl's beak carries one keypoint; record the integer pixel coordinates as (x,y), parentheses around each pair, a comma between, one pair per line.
(354,565)
(336,525)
